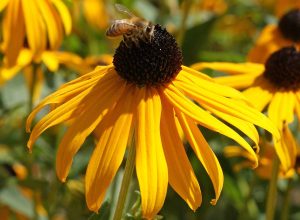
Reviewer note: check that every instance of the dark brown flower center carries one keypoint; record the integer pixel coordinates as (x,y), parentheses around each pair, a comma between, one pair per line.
(154,62)
(289,25)
(282,69)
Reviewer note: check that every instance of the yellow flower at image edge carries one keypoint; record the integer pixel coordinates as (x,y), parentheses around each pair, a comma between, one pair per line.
(36,24)
(274,87)
(273,37)
(141,96)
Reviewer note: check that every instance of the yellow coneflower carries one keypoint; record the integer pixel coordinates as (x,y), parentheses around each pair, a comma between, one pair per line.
(140,96)
(275,85)
(37,24)
(276,36)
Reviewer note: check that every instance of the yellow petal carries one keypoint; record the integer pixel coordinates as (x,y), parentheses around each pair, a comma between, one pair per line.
(237,81)
(65,15)
(232,107)
(50,60)
(184,105)
(289,143)
(268,42)
(208,84)
(204,153)
(281,108)
(91,11)
(282,116)
(77,88)
(13,32)
(259,95)
(3,4)
(24,59)
(232,68)
(181,174)
(151,166)
(109,152)
(246,127)
(35,27)
(236,151)
(96,105)
(53,24)
(297,104)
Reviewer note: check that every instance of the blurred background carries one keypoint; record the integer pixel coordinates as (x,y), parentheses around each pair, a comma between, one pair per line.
(206,30)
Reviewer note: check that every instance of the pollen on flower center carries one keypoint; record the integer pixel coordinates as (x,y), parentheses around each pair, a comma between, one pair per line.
(151,63)
(289,25)
(282,69)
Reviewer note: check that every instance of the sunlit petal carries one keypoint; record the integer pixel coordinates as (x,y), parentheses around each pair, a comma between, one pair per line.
(109,152)
(151,165)
(95,107)
(181,174)
(204,153)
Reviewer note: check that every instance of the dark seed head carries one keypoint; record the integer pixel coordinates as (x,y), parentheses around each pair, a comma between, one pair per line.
(282,69)
(150,63)
(289,25)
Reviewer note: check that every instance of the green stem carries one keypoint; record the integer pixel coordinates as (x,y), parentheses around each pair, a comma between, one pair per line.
(272,193)
(286,201)
(187,5)
(129,167)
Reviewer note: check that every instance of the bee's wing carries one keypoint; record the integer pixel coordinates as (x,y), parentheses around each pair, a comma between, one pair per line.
(124,10)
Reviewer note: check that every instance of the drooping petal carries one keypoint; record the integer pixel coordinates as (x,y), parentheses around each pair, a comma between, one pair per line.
(7,73)
(181,174)
(289,143)
(297,104)
(203,152)
(281,111)
(50,60)
(70,109)
(53,23)
(109,152)
(35,27)
(265,92)
(232,68)
(77,89)
(13,32)
(232,107)
(151,166)
(281,108)
(65,15)
(204,118)
(96,105)
(207,83)
(236,151)
(246,127)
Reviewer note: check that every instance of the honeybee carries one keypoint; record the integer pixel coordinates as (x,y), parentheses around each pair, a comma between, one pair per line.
(132,29)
